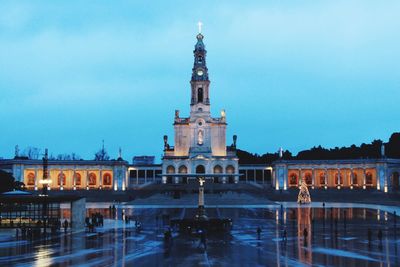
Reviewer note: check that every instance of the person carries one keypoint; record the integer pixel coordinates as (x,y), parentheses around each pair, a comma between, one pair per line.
(114,210)
(65,225)
(369,236)
(259,232)
(284,235)
(203,239)
(380,235)
(167,238)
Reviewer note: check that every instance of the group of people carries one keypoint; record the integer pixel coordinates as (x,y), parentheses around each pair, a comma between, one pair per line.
(32,232)
(96,220)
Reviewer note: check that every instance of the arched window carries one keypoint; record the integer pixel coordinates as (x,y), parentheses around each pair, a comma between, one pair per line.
(200,59)
(200,95)
(308,178)
(368,178)
(355,178)
(182,169)
(200,169)
(61,178)
(78,179)
(92,178)
(293,179)
(107,179)
(217,169)
(230,169)
(31,179)
(322,178)
(170,169)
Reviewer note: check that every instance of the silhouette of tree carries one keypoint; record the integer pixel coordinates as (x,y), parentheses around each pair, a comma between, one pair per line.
(364,151)
(8,183)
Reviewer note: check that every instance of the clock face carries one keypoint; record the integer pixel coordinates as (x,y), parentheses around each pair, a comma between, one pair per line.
(200,72)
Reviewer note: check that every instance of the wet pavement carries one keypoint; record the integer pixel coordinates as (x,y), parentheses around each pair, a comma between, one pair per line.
(337,236)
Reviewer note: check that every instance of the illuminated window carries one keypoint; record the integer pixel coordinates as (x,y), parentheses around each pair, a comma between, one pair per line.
(61,178)
(31,178)
(92,178)
(293,179)
(107,179)
(308,178)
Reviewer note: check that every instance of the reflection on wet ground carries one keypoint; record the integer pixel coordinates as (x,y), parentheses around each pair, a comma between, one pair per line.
(334,237)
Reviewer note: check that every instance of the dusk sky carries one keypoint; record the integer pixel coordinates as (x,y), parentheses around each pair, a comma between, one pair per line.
(291,74)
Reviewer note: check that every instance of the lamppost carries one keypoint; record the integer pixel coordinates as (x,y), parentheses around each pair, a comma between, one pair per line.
(45,182)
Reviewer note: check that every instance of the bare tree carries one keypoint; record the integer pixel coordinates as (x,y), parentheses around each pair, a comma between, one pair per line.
(101,154)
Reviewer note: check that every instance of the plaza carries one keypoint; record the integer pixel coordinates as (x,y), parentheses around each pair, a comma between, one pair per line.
(337,236)
(244,143)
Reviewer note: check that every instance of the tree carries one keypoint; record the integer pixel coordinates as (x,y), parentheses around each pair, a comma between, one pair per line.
(101,155)
(7,182)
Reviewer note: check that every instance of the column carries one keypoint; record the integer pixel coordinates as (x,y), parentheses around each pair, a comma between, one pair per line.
(313,178)
(351,177)
(339,180)
(246,173)
(61,174)
(326,178)
(36,179)
(74,179)
(101,177)
(154,175)
(300,178)
(137,176)
(87,179)
(145,176)
(364,178)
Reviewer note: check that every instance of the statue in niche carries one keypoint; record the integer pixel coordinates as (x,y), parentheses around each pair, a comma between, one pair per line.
(200,137)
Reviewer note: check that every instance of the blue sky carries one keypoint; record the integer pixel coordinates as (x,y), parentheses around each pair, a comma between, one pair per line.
(289,73)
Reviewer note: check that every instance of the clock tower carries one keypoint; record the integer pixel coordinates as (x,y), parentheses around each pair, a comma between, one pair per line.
(200,83)
(200,139)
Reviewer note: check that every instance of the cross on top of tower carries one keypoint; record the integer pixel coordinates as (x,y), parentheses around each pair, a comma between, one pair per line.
(200,24)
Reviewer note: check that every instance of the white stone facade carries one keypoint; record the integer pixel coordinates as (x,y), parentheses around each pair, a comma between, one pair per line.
(200,140)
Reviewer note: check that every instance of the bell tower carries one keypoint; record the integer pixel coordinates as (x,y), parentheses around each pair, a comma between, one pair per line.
(200,100)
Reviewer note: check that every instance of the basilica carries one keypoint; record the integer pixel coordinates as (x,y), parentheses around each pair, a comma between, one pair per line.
(200,147)
(200,139)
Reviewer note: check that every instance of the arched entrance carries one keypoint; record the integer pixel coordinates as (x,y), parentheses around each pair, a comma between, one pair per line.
(230,170)
(395,181)
(170,169)
(218,170)
(183,169)
(200,169)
